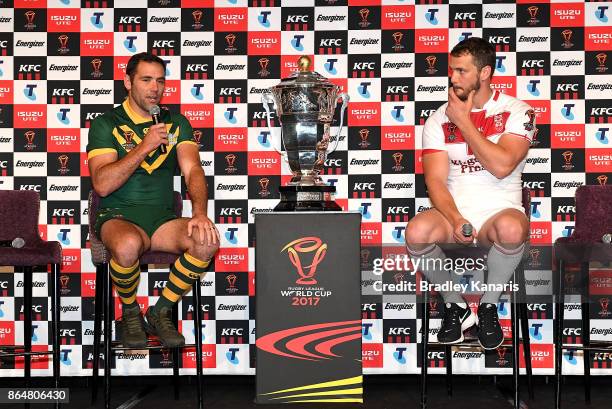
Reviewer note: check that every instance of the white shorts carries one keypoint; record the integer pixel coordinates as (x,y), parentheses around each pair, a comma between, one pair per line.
(478,207)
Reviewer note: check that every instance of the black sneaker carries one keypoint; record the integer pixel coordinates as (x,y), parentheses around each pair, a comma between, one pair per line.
(160,324)
(455,321)
(490,333)
(131,329)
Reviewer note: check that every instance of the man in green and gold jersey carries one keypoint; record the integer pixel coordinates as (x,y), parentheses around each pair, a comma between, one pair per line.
(135,181)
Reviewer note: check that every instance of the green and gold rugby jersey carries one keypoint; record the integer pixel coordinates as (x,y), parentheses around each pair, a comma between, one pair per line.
(121,130)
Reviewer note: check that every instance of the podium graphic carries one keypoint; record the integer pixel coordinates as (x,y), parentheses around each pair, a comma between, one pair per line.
(308,308)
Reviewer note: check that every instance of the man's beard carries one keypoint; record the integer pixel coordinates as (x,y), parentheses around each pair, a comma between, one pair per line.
(144,103)
(466,91)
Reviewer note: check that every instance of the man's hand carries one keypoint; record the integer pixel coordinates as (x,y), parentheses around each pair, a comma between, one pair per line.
(208,231)
(458,111)
(156,136)
(458,232)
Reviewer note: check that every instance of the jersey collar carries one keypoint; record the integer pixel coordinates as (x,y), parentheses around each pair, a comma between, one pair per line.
(492,99)
(133,115)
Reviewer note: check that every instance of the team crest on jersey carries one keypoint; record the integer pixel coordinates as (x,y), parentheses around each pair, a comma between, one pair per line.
(452,129)
(197,137)
(129,140)
(172,139)
(499,122)
(530,124)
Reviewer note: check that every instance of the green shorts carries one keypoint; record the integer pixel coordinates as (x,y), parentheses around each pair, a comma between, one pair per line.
(149,218)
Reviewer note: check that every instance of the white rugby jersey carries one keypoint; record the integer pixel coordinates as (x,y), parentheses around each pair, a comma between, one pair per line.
(502,114)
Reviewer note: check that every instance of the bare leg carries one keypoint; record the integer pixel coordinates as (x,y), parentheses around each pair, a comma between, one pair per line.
(422,233)
(172,237)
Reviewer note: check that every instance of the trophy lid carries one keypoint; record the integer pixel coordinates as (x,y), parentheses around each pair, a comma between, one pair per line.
(305,77)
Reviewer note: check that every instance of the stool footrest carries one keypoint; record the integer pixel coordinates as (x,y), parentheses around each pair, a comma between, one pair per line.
(3,354)
(116,347)
(601,346)
(470,343)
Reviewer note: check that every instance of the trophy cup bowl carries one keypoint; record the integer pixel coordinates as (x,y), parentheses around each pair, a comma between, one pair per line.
(305,103)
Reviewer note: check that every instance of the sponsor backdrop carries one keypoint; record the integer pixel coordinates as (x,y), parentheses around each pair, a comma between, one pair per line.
(62,64)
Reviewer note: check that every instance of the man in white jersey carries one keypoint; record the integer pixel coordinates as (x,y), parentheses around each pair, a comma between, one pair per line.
(474,150)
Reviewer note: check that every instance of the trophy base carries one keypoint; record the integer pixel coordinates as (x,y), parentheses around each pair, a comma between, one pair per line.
(307,199)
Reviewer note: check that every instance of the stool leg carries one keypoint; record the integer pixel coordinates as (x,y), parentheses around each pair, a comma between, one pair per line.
(27,325)
(175,357)
(101,271)
(424,350)
(448,362)
(586,330)
(525,329)
(559,312)
(197,322)
(515,347)
(108,337)
(55,320)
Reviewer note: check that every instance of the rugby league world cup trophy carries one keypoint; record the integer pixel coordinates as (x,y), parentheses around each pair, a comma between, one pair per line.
(305,103)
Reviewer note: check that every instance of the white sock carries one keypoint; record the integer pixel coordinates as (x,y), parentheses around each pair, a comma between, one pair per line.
(436,276)
(501,263)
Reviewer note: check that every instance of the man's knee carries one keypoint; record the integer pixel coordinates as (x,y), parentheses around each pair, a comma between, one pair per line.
(510,230)
(127,250)
(201,251)
(417,232)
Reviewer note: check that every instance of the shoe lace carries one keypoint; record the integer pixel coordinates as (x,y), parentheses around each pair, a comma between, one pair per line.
(487,316)
(164,321)
(451,318)
(132,322)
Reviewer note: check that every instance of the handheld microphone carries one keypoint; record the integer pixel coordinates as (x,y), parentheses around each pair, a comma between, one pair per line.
(16,243)
(154,111)
(607,238)
(467,229)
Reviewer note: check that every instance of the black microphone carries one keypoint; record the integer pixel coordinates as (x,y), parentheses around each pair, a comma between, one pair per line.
(607,238)
(467,229)
(154,111)
(16,243)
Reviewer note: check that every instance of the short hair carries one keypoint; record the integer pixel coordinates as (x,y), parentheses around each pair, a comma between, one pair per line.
(132,64)
(482,52)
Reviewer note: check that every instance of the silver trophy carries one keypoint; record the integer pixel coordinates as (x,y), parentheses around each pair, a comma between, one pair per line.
(305,103)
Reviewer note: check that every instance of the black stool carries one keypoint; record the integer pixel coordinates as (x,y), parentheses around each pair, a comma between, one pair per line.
(104,297)
(519,278)
(593,220)
(19,212)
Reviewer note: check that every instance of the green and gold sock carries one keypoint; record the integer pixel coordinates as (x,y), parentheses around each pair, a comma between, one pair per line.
(185,270)
(126,281)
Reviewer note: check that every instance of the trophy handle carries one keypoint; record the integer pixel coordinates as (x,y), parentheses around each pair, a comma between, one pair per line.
(345,100)
(267,98)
